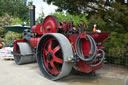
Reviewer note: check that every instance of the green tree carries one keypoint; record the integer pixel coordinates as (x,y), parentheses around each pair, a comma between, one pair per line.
(10,9)
(110,17)
(82,6)
(10,36)
(70,6)
(67,17)
(15,8)
(5,20)
(107,15)
(61,16)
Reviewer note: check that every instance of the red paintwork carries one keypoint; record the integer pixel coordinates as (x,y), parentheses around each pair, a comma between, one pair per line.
(98,37)
(15,43)
(58,59)
(34,41)
(49,25)
(37,29)
(72,39)
(86,47)
(83,67)
(63,25)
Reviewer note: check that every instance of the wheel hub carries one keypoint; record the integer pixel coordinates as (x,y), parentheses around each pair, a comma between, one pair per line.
(50,56)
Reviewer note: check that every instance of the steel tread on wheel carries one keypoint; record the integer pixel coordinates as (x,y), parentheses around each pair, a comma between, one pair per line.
(23,54)
(17,55)
(52,52)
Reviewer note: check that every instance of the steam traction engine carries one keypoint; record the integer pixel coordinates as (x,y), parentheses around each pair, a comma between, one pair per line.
(58,47)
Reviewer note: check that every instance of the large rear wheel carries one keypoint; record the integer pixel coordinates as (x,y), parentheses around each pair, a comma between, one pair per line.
(52,52)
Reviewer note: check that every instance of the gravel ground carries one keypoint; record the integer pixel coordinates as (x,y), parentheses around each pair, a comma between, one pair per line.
(29,74)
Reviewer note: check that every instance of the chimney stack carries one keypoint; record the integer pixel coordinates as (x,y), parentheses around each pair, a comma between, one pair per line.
(32,15)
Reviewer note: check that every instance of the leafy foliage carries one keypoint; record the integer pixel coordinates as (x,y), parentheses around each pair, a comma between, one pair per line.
(67,17)
(109,17)
(10,36)
(82,6)
(4,20)
(116,48)
(73,6)
(10,9)
(15,8)
(115,18)
(17,21)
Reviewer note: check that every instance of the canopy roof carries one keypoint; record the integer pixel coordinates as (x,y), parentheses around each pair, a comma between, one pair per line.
(16,28)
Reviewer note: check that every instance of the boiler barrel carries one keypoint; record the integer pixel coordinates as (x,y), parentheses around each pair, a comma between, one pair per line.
(34,42)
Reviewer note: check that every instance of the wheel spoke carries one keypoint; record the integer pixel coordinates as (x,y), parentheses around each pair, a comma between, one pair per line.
(45,52)
(57,48)
(48,62)
(58,60)
(51,52)
(54,67)
(50,45)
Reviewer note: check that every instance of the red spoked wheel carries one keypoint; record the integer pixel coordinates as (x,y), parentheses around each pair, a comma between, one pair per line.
(52,53)
(52,56)
(50,24)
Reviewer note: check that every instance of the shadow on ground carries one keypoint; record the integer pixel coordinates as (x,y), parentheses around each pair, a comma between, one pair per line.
(108,75)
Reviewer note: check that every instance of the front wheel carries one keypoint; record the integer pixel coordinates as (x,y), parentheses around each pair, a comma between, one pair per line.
(52,52)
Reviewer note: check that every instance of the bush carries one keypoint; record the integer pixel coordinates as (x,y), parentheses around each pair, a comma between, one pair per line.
(4,20)
(116,48)
(114,45)
(10,36)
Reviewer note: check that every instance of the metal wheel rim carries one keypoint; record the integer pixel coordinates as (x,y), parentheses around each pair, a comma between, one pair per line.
(51,53)
(66,66)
